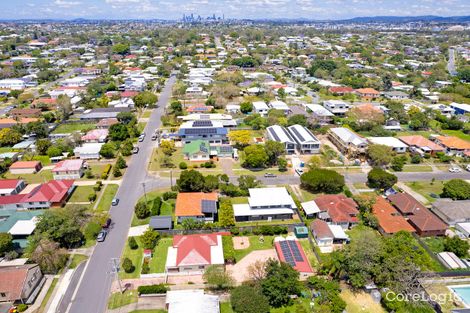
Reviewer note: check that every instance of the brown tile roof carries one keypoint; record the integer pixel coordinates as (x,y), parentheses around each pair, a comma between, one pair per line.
(189,203)
(13,279)
(454,142)
(389,219)
(320,229)
(367,91)
(339,207)
(405,203)
(421,142)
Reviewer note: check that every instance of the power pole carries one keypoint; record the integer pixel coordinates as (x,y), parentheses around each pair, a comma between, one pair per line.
(115,270)
(145,193)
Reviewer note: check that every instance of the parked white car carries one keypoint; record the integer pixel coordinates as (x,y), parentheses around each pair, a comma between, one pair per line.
(455,169)
(468,167)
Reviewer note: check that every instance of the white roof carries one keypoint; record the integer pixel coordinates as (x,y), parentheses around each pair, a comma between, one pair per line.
(452,261)
(194,301)
(260,105)
(24,227)
(318,109)
(310,207)
(338,232)
(246,210)
(274,196)
(89,148)
(464,226)
(279,134)
(348,136)
(388,141)
(462,106)
(279,105)
(302,135)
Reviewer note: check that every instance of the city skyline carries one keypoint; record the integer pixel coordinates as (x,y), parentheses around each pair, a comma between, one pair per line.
(271,9)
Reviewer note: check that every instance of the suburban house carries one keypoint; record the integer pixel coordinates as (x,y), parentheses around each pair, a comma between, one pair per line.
(279,105)
(367,93)
(51,194)
(21,283)
(265,204)
(195,301)
(196,205)
(396,95)
(20,113)
(337,107)
(460,108)
(327,235)
(69,169)
(337,210)
(340,91)
(161,222)
(201,150)
(347,141)
(307,143)
(390,221)
(25,167)
(22,229)
(213,131)
(290,251)
(194,253)
(421,145)
(454,145)
(11,186)
(392,124)
(452,211)
(319,114)
(107,122)
(282,135)
(96,135)
(424,221)
(100,113)
(392,142)
(88,151)
(260,107)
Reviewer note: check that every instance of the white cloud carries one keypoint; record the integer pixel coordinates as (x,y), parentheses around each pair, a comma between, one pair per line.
(66,3)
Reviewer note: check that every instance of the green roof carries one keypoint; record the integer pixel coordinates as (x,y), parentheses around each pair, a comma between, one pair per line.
(8,218)
(196,146)
(301,230)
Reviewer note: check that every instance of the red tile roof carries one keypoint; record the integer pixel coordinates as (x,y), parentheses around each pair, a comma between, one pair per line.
(13,280)
(339,207)
(25,164)
(300,266)
(421,142)
(194,249)
(454,142)
(364,91)
(189,203)
(405,203)
(53,191)
(390,220)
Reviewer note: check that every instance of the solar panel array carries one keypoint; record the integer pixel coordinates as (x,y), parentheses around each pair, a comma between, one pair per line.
(225,149)
(200,131)
(202,123)
(295,251)
(208,206)
(287,253)
(273,133)
(296,132)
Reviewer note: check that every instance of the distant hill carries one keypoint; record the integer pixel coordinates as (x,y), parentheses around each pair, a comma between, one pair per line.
(408,19)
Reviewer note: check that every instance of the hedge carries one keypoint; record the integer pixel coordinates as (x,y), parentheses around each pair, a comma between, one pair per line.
(105,172)
(229,250)
(152,289)
(156,205)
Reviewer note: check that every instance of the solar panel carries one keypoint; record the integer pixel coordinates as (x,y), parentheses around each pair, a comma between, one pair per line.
(295,251)
(208,206)
(197,131)
(202,123)
(225,149)
(273,133)
(296,132)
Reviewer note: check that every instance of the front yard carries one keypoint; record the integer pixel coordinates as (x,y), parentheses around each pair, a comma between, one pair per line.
(426,188)
(136,257)
(109,191)
(158,261)
(81,193)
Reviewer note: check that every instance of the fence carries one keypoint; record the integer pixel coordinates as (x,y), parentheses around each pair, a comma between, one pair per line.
(290,228)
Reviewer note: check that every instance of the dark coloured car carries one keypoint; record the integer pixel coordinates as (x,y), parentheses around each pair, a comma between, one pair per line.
(107,223)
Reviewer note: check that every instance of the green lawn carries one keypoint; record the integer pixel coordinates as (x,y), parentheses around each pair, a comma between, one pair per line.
(158,261)
(136,257)
(108,194)
(146,114)
(273,222)
(96,170)
(77,259)
(44,159)
(80,194)
(48,296)
(166,208)
(417,168)
(308,252)
(117,299)
(457,133)
(70,128)
(41,177)
(425,188)
(436,244)
(225,307)
(255,244)
(239,200)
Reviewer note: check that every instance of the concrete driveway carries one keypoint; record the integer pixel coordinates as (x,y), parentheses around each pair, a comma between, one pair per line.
(240,269)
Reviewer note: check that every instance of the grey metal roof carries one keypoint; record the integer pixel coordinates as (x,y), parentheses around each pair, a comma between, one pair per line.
(161,222)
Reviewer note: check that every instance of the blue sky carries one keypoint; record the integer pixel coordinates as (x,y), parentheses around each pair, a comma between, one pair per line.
(315,9)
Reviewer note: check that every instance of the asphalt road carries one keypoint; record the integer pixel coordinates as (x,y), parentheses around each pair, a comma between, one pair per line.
(93,291)
(64,303)
(451,63)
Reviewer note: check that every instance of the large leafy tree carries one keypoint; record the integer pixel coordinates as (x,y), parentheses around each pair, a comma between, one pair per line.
(280,283)
(149,238)
(145,98)
(190,181)
(255,156)
(118,132)
(456,245)
(379,178)
(380,155)
(248,299)
(456,189)
(6,243)
(322,180)
(274,149)
(49,256)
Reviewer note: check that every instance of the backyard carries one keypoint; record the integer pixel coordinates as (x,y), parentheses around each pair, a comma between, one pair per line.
(40,177)
(73,127)
(255,244)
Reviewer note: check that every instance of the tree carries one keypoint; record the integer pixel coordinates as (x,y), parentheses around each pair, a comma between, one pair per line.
(190,181)
(246,107)
(329,294)
(42,145)
(379,178)
(118,132)
(176,107)
(226,215)
(322,180)
(121,163)
(141,210)
(280,283)
(107,150)
(248,299)
(464,74)
(121,48)
(456,189)
(274,149)
(6,243)
(62,226)
(149,239)
(126,118)
(240,138)
(64,107)
(54,151)
(217,278)
(281,93)
(257,271)
(282,163)
(49,256)
(9,136)
(299,119)
(168,147)
(127,265)
(456,245)
(398,163)
(132,243)
(255,156)
(380,155)
(116,172)
(387,82)
(246,182)
(418,120)
(145,98)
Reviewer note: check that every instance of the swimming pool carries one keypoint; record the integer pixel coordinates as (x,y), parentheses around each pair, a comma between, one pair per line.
(463,292)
